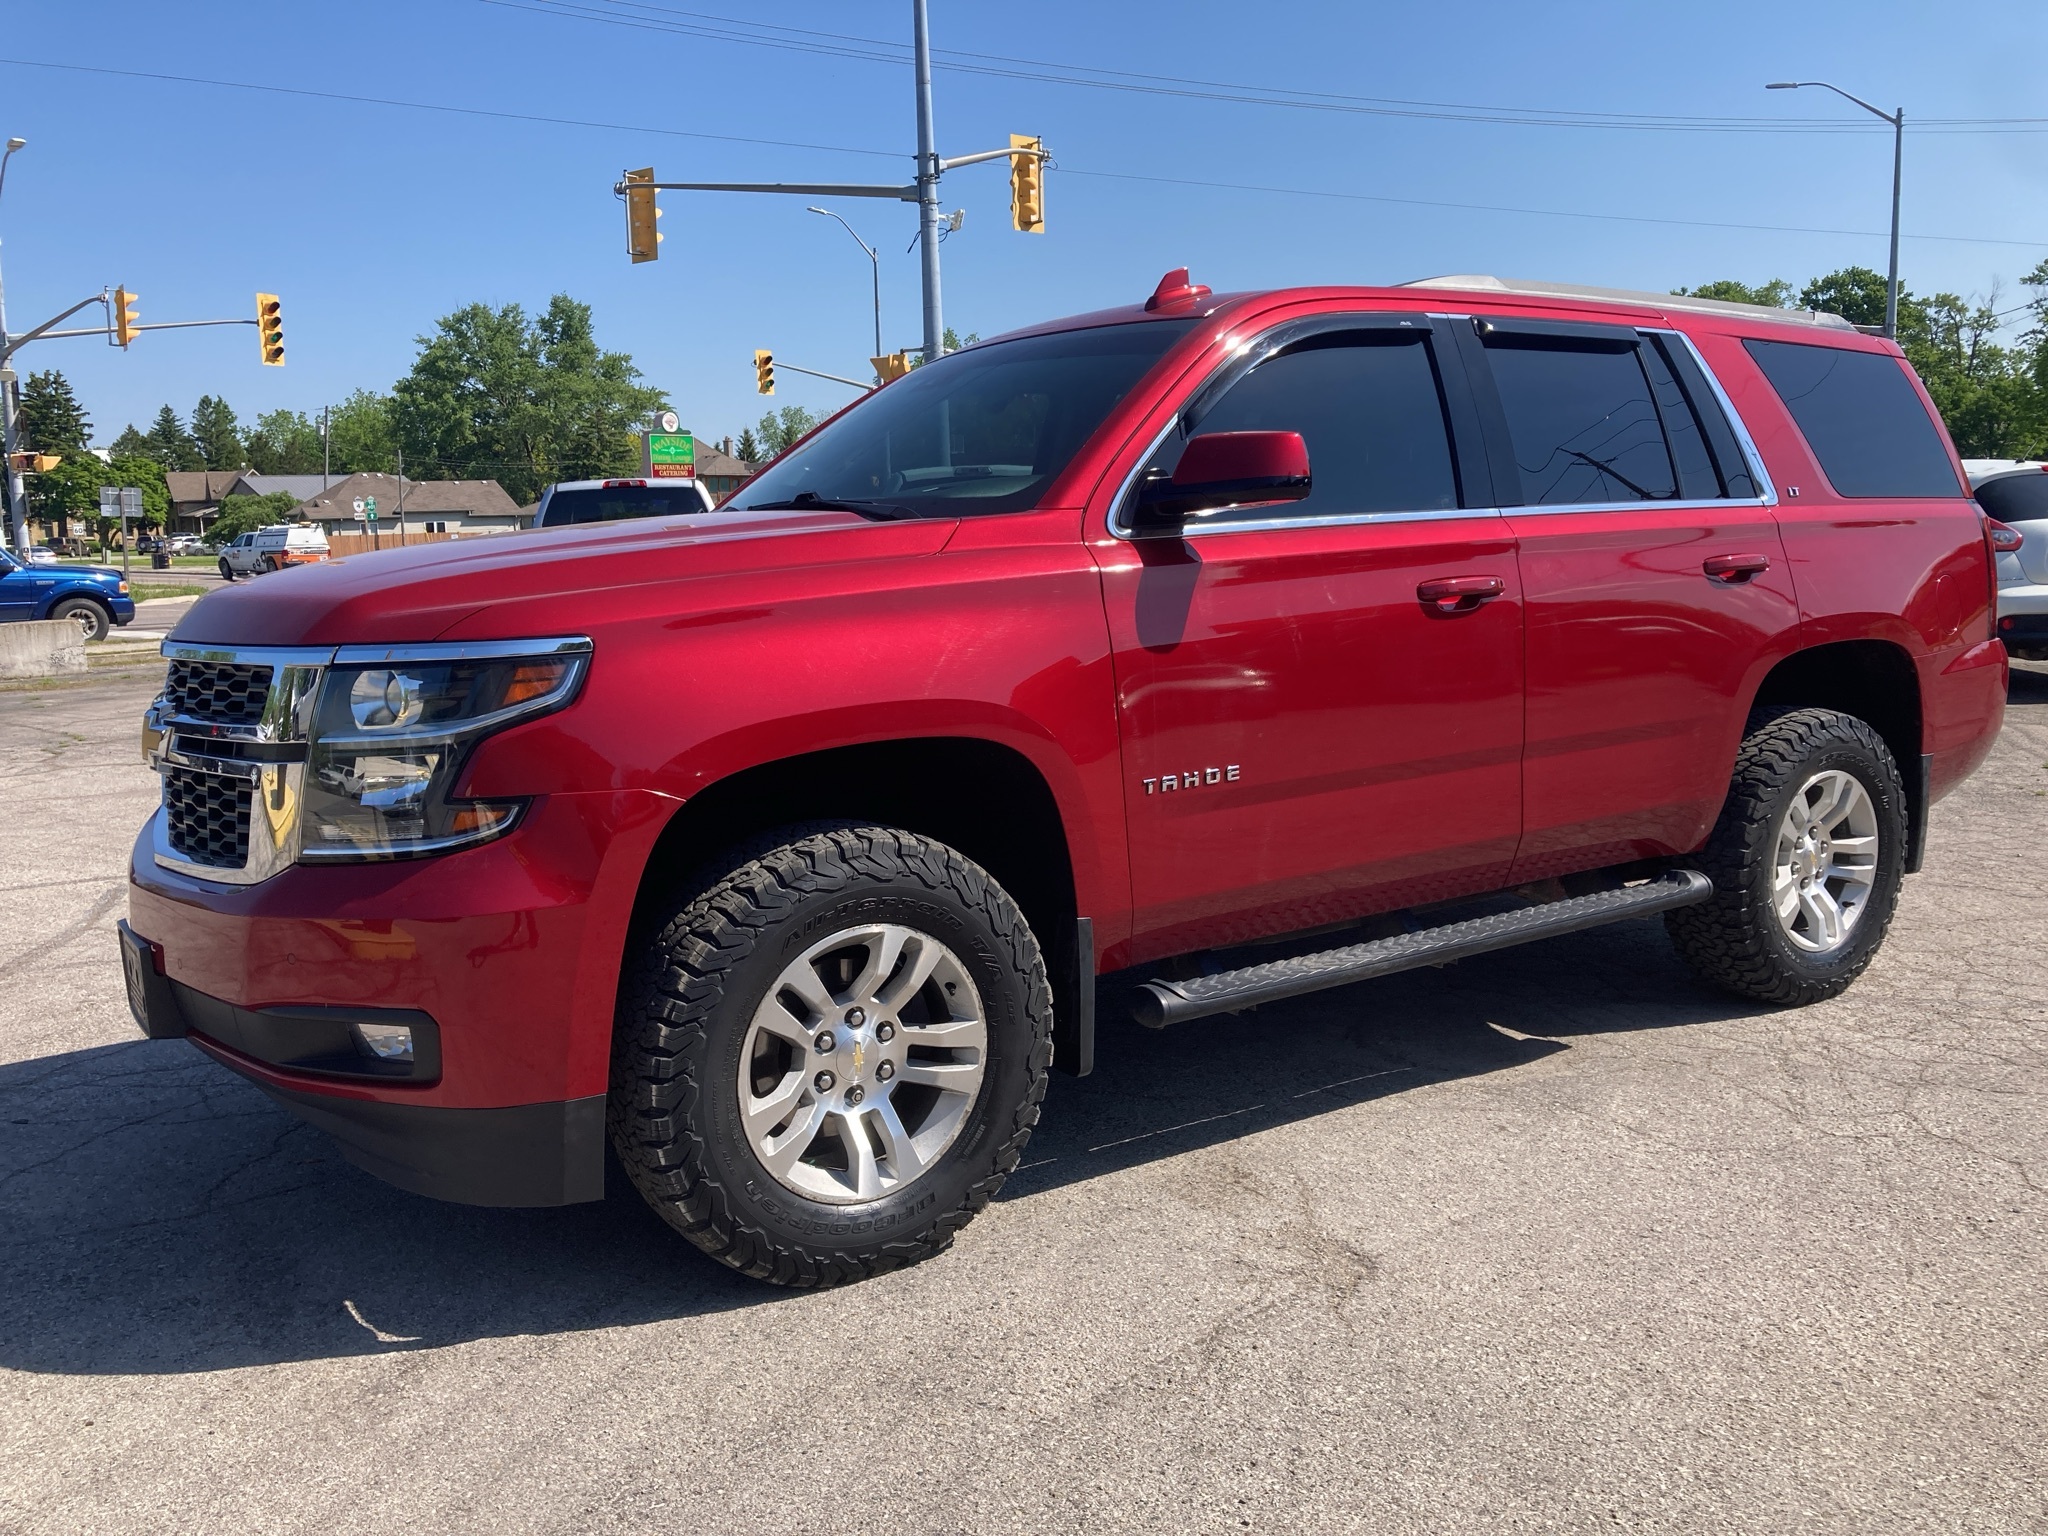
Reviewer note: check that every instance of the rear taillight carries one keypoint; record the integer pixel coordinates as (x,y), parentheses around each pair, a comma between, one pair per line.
(2004,540)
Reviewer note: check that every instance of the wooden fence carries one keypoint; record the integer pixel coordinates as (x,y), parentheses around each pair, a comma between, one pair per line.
(339,544)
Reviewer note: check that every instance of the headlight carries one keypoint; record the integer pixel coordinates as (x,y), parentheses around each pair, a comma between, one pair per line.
(390,739)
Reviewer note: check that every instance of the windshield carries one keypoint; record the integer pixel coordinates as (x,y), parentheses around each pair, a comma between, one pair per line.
(986,430)
(611,503)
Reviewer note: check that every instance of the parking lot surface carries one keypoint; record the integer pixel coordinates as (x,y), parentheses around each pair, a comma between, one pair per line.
(1552,1240)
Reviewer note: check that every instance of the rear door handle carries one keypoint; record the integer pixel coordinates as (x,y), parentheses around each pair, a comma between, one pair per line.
(1734,569)
(1459,594)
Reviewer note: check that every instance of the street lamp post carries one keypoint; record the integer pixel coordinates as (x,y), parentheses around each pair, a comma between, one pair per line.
(17,492)
(874,261)
(1898,121)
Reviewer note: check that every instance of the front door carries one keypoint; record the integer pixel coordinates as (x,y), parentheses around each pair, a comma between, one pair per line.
(1657,589)
(1312,729)
(18,590)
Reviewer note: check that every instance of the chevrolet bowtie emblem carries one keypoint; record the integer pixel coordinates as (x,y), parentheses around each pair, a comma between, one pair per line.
(860,1051)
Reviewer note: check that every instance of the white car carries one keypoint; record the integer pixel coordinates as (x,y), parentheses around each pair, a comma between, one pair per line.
(2016,493)
(272,549)
(609,501)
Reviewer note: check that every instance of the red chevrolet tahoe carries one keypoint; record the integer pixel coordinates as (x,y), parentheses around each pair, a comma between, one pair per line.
(1314,634)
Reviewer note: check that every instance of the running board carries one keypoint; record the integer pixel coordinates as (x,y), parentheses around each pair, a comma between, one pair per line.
(1160,1003)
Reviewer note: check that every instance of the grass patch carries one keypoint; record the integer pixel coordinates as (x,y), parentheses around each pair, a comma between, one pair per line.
(144,591)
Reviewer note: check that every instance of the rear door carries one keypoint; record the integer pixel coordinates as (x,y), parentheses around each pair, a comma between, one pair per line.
(1656,585)
(1307,734)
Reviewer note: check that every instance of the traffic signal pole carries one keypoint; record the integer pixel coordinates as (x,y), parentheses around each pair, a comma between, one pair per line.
(637,188)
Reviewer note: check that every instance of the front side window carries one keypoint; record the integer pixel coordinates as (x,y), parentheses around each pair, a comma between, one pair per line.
(1583,423)
(1861,417)
(985,430)
(1370,409)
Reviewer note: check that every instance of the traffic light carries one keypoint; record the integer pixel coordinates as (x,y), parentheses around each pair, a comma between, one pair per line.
(34,463)
(891,365)
(643,239)
(764,372)
(1027,183)
(270,329)
(127,315)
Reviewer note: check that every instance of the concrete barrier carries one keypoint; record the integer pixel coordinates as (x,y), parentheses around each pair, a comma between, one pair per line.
(42,648)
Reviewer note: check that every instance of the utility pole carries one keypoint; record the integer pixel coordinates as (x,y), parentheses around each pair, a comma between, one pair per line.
(324,459)
(10,406)
(637,188)
(927,184)
(401,497)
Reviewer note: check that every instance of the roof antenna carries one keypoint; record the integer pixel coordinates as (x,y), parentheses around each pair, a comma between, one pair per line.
(1174,288)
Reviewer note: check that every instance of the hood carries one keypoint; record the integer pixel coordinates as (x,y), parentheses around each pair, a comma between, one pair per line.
(417,594)
(75,572)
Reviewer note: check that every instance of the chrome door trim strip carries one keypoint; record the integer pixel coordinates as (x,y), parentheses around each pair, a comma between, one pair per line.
(1743,440)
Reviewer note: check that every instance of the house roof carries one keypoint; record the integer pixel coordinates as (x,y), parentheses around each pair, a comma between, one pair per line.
(422,498)
(203,487)
(301,486)
(716,461)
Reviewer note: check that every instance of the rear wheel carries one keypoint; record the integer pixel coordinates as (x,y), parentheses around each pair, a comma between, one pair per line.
(268,566)
(829,1060)
(1805,860)
(88,615)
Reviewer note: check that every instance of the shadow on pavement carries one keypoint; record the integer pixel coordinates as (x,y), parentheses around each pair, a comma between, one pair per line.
(164,1216)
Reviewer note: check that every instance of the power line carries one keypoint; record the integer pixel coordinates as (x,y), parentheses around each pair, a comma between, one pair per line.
(701,24)
(1314,192)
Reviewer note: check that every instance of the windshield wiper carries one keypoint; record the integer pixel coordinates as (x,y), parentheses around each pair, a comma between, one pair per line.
(811,501)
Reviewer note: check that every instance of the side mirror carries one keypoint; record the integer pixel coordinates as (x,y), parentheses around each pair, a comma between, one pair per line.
(1222,469)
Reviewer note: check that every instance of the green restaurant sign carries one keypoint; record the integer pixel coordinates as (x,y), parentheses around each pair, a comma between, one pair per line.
(671,456)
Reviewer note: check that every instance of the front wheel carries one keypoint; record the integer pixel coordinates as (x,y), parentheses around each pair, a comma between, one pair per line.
(829,1060)
(1806,861)
(227,572)
(88,615)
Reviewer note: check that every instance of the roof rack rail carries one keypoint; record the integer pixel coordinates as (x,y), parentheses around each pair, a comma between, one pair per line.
(1531,288)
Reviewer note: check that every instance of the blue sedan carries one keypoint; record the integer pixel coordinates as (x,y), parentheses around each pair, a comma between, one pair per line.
(93,597)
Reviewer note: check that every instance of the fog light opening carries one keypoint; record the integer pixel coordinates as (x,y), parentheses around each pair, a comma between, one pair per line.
(386,1042)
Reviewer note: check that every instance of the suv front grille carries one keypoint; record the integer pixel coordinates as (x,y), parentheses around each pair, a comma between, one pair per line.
(207,816)
(221,693)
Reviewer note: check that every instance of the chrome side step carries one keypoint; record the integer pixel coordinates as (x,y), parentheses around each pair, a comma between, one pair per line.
(1160,1003)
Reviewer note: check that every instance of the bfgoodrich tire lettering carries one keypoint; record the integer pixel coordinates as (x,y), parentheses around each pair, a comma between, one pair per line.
(688,1006)
(1737,941)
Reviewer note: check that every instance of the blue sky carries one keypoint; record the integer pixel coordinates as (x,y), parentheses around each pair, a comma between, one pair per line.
(372,221)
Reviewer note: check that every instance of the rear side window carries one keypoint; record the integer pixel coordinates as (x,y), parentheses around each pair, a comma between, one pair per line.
(2015,498)
(612,503)
(1861,417)
(1584,425)
(1369,408)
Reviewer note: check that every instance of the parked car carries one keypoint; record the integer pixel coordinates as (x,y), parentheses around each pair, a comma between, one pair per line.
(610,501)
(2016,494)
(42,554)
(187,544)
(93,597)
(272,549)
(784,846)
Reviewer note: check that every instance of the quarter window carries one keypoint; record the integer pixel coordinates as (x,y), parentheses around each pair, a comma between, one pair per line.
(1584,425)
(1370,409)
(1861,417)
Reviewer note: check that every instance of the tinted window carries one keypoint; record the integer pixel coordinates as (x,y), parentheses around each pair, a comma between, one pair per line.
(1695,465)
(2015,498)
(1583,424)
(985,430)
(1371,415)
(1736,478)
(611,503)
(1861,417)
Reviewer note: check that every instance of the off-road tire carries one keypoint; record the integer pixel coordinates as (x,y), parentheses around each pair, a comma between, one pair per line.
(1733,940)
(685,1002)
(88,615)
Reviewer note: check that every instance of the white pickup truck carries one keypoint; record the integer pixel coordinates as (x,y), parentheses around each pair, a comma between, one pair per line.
(271,549)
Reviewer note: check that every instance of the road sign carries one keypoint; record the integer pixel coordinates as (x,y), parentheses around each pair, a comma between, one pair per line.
(131,501)
(359,509)
(362,517)
(110,501)
(671,456)
(370,507)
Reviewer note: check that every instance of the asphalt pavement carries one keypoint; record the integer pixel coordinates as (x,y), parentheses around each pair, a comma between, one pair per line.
(1553,1240)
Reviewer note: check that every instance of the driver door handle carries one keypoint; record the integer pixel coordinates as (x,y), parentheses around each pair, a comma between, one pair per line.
(1459,594)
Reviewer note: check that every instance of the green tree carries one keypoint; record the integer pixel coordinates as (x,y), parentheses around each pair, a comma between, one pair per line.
(777,431)
(284,443)
(147,475)
(245,514)
(950,340)
(170,444)
(52,420)
(130,444)
(1775,294)
(217,433)
(496,395)
(1857,295)
(748,449)
(362,434)
(71,490)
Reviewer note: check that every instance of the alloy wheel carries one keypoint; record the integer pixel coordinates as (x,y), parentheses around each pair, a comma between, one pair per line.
(1825,864)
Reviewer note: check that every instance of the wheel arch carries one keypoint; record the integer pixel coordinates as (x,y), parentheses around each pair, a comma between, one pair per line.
(65,595)
(1877,682)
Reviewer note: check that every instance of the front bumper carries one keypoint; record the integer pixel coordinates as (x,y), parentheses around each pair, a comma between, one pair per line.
(507,952)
